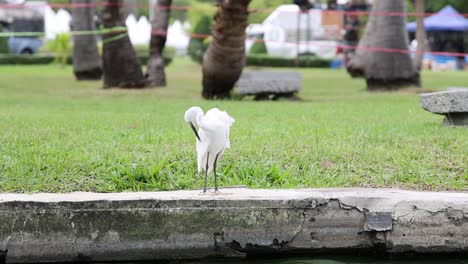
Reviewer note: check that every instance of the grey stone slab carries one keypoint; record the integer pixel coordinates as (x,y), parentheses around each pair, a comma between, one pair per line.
(457,89)
(445,102)
(452,103)
(269,82)
(232,223)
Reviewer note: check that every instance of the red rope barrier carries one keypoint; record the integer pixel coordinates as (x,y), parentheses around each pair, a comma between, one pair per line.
(188,8)
(365,48)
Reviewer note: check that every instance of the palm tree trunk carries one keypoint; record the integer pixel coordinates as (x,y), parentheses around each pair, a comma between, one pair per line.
(225,57)
(356,66)
(120,63)
(159,25)
(385,70)
(86,60)
(390,70)
(421,37)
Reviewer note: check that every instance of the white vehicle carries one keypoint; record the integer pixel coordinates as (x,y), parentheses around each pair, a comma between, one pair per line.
(287,33)
(23,20)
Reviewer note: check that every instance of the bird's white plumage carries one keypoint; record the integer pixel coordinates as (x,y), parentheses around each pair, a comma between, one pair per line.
(213,130)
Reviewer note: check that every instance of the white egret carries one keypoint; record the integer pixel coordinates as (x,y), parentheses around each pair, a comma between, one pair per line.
(212,137)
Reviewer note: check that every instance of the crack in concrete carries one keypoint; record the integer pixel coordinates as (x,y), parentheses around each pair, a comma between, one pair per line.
(456,216)
(349,207)
(445,210)
(311,205)
(378,239)
(315,204)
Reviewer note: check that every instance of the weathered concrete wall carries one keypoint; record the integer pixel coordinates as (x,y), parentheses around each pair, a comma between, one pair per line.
(233,223)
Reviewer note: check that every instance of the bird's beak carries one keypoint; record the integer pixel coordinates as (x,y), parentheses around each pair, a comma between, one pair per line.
(195,131)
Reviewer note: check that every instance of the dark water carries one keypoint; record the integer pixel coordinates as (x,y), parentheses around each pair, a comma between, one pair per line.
(336,260)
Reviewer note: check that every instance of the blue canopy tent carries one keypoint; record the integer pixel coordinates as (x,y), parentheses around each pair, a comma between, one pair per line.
(447,19)
(447,22)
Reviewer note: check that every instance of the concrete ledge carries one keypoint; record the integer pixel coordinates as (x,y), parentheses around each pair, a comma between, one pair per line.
(233,223)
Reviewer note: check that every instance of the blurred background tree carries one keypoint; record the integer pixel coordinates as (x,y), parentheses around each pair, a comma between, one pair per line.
(436,5)
(3,42)
(270,5)
(258,47)
(60,46)
(197,45)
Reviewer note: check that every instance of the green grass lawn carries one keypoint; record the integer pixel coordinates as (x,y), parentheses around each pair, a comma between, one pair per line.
(59,135)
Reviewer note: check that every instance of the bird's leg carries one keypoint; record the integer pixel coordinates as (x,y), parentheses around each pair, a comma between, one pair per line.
(214,170)
(206,170)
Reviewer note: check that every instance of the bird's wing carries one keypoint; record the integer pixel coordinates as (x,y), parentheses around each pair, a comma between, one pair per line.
(209,121)
(218,116)
(228,143)
(202,150)
(219,120)
(229,119)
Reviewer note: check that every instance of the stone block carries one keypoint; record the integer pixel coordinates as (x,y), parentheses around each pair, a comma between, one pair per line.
(262,84)
(452,103)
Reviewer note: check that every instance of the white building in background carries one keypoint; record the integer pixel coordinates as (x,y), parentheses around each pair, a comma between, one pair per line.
(140,33)
(178,37)
(286,33)
(139,30)
(186,26)
(56,23)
